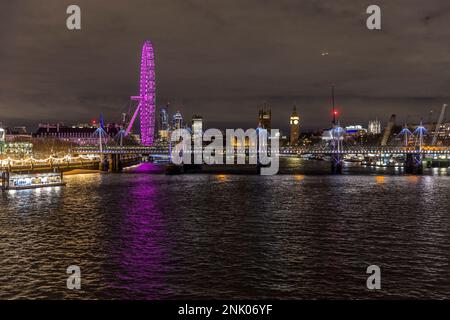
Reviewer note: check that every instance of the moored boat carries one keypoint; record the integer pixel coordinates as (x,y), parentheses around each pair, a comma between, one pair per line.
(18,181)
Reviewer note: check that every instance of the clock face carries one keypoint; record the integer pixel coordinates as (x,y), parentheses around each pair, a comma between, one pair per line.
(295,121)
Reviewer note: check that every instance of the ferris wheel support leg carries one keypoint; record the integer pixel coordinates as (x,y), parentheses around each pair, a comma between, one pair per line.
(127,132)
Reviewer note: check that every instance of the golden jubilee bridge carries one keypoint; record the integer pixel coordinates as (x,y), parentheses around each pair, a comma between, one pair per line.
(412,158)
(374,150)
(114,158)
(311,150)
(407,149)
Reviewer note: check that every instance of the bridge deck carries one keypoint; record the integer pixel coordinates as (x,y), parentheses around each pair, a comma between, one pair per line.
(300,151)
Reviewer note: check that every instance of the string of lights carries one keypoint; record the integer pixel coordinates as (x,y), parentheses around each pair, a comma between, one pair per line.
(50,159)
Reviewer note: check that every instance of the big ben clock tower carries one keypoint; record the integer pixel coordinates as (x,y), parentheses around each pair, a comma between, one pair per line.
(295,127)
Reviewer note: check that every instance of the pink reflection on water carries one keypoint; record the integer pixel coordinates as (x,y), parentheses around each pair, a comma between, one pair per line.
(141,254)
(146,167)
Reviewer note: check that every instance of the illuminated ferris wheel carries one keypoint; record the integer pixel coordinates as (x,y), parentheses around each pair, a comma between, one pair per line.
(146,98)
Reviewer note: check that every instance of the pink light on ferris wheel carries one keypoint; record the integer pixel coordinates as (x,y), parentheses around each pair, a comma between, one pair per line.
(146,98)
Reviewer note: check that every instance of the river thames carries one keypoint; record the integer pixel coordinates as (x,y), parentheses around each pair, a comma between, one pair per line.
(302,234)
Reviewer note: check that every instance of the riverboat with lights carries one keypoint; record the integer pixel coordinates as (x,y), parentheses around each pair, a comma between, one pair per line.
(16,181)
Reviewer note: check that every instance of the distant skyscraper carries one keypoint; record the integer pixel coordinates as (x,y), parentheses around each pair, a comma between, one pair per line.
(294,121)
(177,121)
(264,119)
(197,123)
(374,127)
(124,119)
(2,140)
(164,122)
(197,126)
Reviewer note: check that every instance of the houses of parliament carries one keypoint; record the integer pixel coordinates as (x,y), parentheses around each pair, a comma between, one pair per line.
(265,118)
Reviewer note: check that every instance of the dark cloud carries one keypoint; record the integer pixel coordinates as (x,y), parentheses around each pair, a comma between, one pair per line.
(223,58)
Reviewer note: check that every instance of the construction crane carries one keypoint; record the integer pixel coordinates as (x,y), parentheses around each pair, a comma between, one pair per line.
(388,130)
(438,125)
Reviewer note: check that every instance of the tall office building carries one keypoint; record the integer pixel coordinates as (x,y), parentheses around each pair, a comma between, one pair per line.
(164,122)
(264,119)
(2,139)
(294,121)
(197,123)
(374,127)
(177,121)
(197,126)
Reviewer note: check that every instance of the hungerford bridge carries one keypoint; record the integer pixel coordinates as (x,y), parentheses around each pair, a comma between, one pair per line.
(313,150)
(412,154)
(114,158)
(413,158)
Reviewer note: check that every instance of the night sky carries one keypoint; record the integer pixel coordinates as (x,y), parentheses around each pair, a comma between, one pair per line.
(223,59)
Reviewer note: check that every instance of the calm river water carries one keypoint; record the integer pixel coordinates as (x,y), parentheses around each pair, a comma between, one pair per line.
(300,234)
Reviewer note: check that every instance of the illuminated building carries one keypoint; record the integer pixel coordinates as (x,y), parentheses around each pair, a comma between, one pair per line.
(75,134)
(177,121)
(374,127)
(338,133)
(18,148)
(197,125)
(81,136)
(264,119)
(355,130)
(15,141)
(443,131)
(327,134)
(294,121)
(2,140)
(86,125)
(164,123)
(17,134)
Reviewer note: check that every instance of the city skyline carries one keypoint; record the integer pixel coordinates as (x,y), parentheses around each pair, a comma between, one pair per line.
(226,158)
(51,71)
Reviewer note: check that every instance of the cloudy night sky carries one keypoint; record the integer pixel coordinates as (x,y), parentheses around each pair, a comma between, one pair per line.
(223,59)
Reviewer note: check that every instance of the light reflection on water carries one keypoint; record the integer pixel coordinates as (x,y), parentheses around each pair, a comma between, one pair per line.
(228,236)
